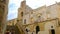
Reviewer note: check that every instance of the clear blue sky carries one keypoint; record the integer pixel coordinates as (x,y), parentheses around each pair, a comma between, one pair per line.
(15,4)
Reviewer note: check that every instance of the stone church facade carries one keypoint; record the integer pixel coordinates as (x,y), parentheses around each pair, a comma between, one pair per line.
(42,20)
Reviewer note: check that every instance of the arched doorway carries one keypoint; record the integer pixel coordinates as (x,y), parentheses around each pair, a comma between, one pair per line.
(37,29)
(52,31)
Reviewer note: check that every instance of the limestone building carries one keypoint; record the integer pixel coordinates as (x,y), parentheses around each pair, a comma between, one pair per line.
(43,20)
(12,22)
(3,15)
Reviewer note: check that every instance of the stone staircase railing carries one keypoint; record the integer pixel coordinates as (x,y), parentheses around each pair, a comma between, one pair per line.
(21,28)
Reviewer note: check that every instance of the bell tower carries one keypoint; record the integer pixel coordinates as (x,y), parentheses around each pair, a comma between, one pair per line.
(23,4)
(21,10)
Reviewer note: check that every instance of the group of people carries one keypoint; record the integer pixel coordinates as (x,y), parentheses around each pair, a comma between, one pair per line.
(33,32)
(9,32)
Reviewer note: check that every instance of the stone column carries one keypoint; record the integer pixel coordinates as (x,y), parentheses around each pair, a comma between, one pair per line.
(3,15)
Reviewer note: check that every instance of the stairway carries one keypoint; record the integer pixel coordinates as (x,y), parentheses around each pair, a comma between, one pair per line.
(16,30)
(21,28)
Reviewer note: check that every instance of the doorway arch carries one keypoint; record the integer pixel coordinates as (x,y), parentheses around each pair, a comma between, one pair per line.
(37,29)
(52,31)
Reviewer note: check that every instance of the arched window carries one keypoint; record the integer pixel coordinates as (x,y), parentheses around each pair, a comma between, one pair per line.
(24,21)
(21,13)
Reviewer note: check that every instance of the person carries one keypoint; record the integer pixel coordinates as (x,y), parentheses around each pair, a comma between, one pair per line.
(7,32)
(26,30)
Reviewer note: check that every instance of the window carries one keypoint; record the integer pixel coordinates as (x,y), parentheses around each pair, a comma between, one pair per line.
(24,21)
(51,26)
(21,13)
(17,20)
(39,17)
